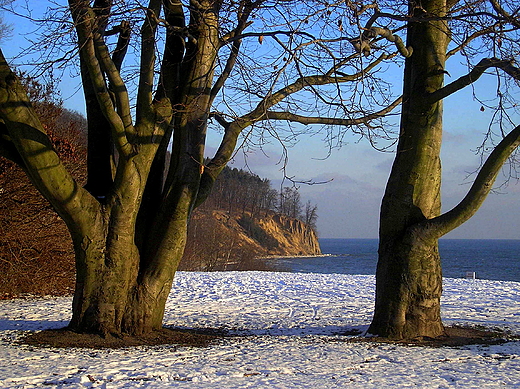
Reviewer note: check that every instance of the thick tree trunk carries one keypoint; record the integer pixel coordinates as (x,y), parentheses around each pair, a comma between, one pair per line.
(103,286)
(409,277)
(113,294)
(409,287)
(125,279)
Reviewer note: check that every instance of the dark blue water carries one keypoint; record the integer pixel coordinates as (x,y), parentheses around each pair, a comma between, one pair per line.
(489,259)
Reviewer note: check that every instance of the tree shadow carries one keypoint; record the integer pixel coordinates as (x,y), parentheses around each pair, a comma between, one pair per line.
(30,325)
(173,337)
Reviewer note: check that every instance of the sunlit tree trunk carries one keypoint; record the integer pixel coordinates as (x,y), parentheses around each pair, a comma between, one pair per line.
(409,276)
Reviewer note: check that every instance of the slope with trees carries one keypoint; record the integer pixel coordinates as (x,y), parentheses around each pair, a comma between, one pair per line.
(242,221)
(36,254)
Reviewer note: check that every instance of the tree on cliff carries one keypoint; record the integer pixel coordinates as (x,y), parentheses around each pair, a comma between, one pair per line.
(290,203)
(409,276)
(192,62)
(310,216)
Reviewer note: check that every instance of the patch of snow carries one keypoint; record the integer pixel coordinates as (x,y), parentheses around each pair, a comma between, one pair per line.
(287,328)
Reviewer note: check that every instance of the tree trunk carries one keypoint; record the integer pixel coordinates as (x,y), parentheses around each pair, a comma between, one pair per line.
(126,264)
(408,289)
(409,277)
(103,285)
(120,289)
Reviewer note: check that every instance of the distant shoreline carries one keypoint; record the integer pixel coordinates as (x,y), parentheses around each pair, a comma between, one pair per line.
(295,256)
(489,259)
(375,239)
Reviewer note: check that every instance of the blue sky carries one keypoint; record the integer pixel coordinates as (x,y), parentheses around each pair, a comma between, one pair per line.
(348,205)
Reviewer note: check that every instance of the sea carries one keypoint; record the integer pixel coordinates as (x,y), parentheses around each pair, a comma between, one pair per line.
(490,259)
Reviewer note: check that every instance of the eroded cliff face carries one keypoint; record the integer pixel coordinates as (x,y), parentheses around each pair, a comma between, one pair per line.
(289,236)
(269,234)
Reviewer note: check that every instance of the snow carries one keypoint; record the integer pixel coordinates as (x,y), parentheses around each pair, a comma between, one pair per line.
(286,328)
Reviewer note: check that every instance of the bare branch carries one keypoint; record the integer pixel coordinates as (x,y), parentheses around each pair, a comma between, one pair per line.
(302,82)
(473,76)
(330,120)
(117,85)
(235,49)
(268,33)
(441,225)
(220,119)
(84,19)
(363,44)
(122,44)
(146,67)
(470,38)
(502,12)
(173,51)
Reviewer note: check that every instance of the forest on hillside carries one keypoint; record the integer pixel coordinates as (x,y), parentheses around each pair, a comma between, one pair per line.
(242,198)
(240,191)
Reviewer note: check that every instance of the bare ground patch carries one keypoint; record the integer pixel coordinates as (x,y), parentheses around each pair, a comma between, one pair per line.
(456,336)
(65,338)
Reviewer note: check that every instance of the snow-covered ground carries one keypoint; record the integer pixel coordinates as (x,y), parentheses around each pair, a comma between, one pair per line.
(287,327)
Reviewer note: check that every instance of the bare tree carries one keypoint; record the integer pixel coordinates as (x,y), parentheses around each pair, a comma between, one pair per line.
(290,202)
(311,215)
(409,275)
(244,65)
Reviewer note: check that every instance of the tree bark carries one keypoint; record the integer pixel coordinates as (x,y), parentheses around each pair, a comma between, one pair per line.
(409,276)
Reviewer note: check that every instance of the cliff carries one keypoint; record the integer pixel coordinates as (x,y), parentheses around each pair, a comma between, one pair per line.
(219,240)
(279,235)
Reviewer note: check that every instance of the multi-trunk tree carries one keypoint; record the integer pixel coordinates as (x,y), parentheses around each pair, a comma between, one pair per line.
(409,275)
(153,78)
